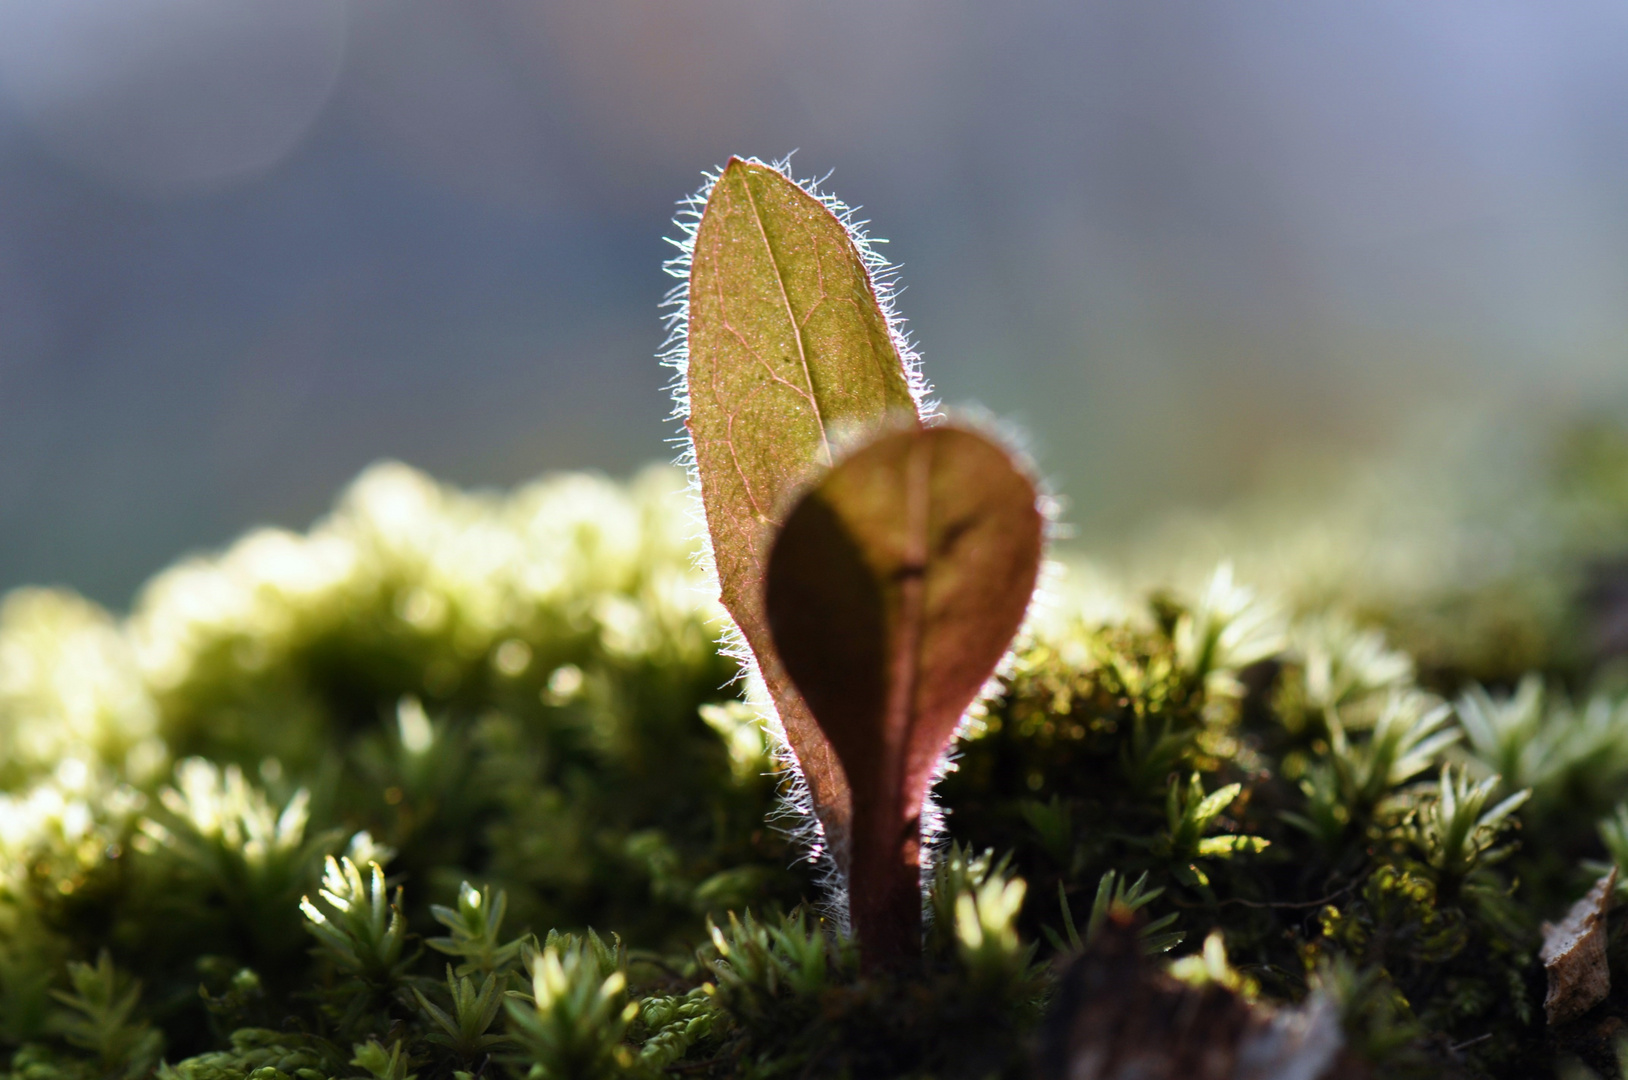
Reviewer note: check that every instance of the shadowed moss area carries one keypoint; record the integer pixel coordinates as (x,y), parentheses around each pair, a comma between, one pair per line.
(458,785)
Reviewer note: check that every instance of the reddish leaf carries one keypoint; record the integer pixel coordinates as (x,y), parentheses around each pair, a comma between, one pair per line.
(894,588)
(786,342)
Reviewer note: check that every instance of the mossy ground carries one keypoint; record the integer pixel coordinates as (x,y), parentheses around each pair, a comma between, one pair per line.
(522,693)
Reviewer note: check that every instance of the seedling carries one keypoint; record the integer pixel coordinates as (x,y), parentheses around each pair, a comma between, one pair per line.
(1133,763)
(878,592)
(781,342)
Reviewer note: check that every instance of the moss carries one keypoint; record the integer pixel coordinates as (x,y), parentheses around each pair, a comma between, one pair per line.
(521,693)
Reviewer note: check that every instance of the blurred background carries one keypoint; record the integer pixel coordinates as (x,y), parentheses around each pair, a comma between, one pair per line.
(247,248)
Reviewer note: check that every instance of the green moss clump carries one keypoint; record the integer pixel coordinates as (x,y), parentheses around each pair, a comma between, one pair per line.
(458,785)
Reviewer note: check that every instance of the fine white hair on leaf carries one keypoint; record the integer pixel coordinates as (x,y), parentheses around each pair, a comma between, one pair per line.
(935,835)
(795,814)
(884,281)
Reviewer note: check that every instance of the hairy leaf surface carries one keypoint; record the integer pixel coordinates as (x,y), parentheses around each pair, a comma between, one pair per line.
(787,344)
(893,590)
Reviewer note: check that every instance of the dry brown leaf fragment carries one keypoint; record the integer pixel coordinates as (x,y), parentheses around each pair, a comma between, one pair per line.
(1117,1018)
(1573,955)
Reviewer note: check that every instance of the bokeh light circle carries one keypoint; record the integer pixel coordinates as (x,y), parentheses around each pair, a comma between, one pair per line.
(166,96)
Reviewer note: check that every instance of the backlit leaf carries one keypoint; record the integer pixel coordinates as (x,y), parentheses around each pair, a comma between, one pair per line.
(893,590)
(787,344)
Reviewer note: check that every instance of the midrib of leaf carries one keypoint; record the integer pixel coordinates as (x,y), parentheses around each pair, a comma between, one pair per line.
(901,715)
(791,317)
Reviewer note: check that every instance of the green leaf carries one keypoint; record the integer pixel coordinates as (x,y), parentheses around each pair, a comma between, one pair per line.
(1229,845)
(787,347)
(1215,802)
(893,590)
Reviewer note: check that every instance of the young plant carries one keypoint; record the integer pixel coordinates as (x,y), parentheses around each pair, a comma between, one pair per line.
(782,341)
(767,974)
(893,590)
(383,1064)
(576,1016)
(466,1030)
(1456,830)
(474,926)
(100,1017)
(222,836)
(1189,813)
(363,931)
(1116,894)
(1507,735)
(1344,790)
(895,585)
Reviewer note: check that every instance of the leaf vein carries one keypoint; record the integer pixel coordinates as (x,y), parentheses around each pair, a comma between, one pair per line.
(791,316)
